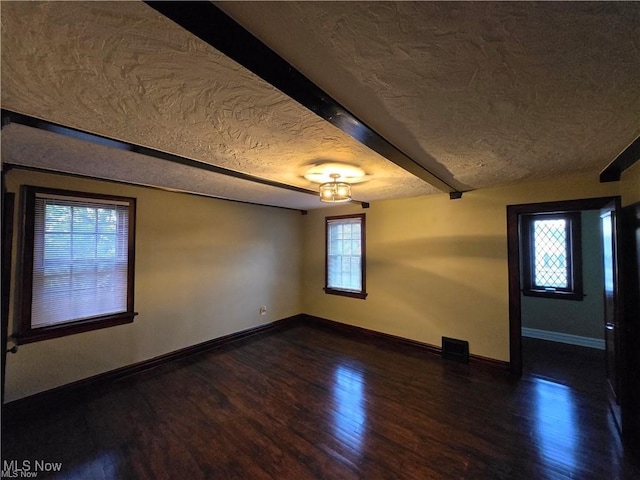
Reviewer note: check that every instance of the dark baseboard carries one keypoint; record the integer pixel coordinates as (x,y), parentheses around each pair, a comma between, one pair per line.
(72,392)
(395,341)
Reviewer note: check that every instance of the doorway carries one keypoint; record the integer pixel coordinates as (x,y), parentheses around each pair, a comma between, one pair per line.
(515,214)
(562,305)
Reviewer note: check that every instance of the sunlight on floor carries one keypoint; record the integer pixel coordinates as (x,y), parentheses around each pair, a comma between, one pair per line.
(555,425)
(350,415)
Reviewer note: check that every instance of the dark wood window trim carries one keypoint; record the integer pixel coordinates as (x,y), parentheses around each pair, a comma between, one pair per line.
(345,293)
(574,289)
(361,294)
(27,334)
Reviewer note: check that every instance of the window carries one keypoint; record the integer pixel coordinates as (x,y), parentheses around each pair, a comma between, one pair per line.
(552,258)
(345,258)
(78,260)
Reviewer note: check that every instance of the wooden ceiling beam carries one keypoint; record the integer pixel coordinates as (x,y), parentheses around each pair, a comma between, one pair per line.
(29,121)
(627,157)
(220,31)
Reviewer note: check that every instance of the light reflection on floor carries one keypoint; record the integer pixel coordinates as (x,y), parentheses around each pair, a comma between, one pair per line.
(349,415)
(104,462)
(555,425)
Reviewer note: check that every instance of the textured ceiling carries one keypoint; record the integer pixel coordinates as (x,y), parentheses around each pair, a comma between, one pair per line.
(481,94)
(484,93)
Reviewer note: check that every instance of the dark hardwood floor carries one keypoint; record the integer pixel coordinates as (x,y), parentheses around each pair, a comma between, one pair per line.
(308,403)
(577,367)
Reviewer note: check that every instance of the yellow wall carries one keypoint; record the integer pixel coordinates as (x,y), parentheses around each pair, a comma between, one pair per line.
(435,267)
(630,185)
(203,269)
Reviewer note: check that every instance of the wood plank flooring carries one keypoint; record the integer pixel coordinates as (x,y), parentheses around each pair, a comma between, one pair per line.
(580,368)
(309,403)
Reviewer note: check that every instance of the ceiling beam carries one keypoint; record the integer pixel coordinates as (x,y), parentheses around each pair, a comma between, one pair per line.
(14,166)
(19,118)
(627,157)
(216,28)
(8,117)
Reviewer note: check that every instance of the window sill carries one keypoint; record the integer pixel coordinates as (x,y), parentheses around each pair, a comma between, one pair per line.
(345,293)
(576,296)
(71,328)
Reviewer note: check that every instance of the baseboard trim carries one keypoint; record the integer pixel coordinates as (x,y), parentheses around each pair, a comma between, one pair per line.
(55,397)
(48,400)
(563,338)
(393,340)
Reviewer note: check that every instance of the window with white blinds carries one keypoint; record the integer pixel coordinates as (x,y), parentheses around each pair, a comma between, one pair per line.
(81,265)
(345,255)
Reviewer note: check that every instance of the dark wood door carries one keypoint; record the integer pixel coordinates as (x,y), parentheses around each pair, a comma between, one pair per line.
(613,320)
(630,259)
(8,200)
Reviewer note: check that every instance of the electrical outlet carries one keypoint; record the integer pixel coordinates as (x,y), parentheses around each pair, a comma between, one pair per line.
(263,310)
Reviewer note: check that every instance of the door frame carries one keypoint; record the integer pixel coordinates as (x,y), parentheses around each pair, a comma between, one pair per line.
(7,202)
(513,259)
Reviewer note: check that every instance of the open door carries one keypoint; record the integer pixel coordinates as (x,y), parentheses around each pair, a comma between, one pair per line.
(7,236)
(622,321)
(613,318)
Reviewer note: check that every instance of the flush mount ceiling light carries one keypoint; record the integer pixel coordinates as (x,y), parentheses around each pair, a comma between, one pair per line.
(335,191)
(321,172)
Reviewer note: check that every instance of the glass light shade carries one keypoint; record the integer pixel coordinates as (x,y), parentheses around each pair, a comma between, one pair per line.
(335,192)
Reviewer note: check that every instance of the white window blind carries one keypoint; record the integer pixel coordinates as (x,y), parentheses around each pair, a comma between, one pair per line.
(80,260)
(344,254)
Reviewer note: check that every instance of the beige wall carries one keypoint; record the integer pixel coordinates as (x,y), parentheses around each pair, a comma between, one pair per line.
(203,269)
(435,267)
